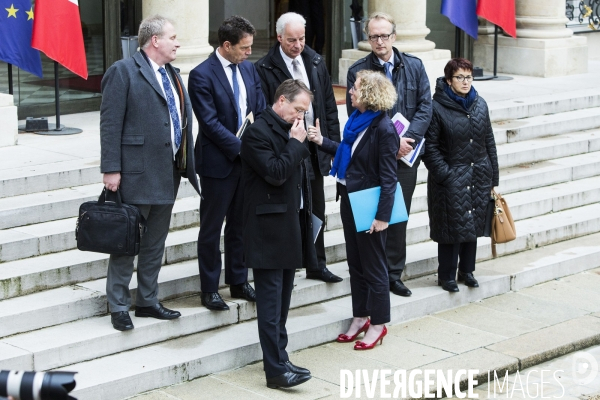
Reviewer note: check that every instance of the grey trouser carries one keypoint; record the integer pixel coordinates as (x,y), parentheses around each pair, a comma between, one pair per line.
(152,247)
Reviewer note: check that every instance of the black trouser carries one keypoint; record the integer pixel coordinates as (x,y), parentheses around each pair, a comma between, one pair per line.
(366,261)
(395,246)
(448,259)
(273,293)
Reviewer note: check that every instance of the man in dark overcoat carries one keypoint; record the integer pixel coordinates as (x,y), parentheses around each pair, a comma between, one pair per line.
(290,58)
(146,147)
(276,217)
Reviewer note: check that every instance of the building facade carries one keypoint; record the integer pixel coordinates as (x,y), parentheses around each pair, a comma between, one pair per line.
(552,35)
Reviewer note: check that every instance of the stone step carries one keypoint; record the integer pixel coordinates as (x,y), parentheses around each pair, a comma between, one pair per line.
(546,125)
(540,105)
(90,338)
(55,175)
(64,203)
(58,204)
(34,311)
(25,276)
(49,176)
(548,148)
(124,374)
(55,236)
(27,241)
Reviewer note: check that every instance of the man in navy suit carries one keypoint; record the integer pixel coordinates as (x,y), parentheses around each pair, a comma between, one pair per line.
(223,89)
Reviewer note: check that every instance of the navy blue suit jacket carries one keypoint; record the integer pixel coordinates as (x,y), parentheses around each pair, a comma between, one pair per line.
(214,106)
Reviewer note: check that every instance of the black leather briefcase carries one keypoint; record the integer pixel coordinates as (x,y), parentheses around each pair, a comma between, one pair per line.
(109,227)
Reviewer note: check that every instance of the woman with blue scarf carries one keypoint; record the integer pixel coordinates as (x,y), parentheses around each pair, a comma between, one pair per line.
(460,155)
(366,158)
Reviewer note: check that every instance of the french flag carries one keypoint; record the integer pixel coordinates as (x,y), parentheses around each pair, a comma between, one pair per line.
(57,33)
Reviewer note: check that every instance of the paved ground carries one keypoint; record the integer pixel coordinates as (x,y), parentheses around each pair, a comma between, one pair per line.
(519,331)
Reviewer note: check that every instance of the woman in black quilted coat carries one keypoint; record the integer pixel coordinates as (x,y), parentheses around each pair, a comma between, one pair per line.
(460,154)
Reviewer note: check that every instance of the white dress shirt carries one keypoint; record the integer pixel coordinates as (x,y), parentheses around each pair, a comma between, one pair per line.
(310,115)
(229,73)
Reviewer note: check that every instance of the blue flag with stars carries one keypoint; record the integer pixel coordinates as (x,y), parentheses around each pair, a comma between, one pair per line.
(16,24)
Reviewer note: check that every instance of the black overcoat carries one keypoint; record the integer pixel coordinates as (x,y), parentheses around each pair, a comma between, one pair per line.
(273,178)
(460,155)
(273,71)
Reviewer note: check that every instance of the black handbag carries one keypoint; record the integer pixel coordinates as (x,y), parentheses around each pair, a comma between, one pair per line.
(109,227)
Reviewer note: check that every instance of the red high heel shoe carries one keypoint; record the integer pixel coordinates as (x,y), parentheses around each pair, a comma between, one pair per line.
(363,346)
(343,338)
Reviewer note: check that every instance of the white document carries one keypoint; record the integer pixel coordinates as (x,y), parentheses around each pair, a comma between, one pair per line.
(401,124)
(247,121)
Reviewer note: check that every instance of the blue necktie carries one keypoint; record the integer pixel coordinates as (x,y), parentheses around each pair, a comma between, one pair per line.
(172,106)
(236,93)
(388,71)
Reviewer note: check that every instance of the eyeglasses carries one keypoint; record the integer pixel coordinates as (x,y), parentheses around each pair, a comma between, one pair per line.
(461,78)
(299,111)
(384,38)
(353,89)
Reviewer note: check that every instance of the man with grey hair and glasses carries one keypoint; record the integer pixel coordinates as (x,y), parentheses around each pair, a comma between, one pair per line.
(290,58)
(146,146)
(408,75)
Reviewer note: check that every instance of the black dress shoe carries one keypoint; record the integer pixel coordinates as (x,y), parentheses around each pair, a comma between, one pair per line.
(213,301)
(398,288)
(449,286)
(324,275)
(121,321)
(295,369)
(243,291)
(468,279)
(156,311)
(287,380)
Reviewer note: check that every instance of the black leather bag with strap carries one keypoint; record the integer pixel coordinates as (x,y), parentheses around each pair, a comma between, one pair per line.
(109,227)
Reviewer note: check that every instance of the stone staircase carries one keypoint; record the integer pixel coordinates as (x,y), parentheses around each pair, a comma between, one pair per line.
(53,312)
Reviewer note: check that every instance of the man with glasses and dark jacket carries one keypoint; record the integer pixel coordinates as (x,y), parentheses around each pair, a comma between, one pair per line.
(408,75)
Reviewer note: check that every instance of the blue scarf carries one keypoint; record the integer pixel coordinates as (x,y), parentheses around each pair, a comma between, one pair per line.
(466,101)
(356,124)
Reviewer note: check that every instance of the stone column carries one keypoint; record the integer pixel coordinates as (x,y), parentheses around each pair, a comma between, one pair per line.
(191,22)
(544,46)
(411,31)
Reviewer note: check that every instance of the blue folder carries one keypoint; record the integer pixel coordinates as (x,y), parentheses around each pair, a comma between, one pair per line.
(364,207)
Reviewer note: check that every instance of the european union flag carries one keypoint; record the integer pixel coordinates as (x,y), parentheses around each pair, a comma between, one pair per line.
(462,14)
(16,22)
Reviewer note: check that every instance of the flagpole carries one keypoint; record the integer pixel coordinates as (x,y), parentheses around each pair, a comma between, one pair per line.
(457,42)
(10,79)
(58,129)
(56,97)
(496,76)
(495,51)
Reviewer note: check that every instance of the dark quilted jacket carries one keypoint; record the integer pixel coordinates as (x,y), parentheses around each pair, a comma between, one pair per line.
(460,154)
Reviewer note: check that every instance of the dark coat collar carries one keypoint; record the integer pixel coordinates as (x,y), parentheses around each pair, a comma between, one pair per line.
(277,123)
